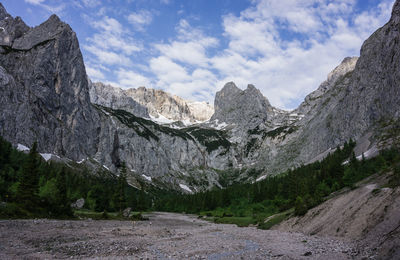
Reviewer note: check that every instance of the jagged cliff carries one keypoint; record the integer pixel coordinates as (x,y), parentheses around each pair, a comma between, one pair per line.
(44,90)
(44,94)
(157,104)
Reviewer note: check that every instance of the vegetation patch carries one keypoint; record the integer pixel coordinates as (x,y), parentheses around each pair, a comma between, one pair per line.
(274,220)
(212,139)
(250,145)
(30,187)
(239,221)
(143,127)
(285,130)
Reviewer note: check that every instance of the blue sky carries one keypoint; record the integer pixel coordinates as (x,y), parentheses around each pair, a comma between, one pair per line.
(191,48)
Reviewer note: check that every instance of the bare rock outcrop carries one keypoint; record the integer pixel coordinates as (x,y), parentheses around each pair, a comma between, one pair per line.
(44,90)
(160,105)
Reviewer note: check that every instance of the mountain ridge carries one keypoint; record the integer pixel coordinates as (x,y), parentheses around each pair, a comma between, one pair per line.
(158,103)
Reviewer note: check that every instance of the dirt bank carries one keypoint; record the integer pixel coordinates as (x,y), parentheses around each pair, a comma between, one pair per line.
(369,214)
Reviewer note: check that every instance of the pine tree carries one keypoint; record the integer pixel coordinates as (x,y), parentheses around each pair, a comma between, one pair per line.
(63,202)
(300,207)
(27,193)
(121,188)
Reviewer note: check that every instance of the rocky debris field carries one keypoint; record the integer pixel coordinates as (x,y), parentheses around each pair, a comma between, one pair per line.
(163,236)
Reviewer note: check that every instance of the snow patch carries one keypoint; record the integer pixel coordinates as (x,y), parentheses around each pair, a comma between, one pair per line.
(21,147)
(369,153)
(46,156)
(261,178)
(160,119)
(106,167)
(81,161)
(371,186)
(146,177)
(183,186)
(105,112)
(221,126)
(217,125)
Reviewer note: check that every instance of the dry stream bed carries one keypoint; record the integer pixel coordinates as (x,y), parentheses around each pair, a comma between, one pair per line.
(164,236)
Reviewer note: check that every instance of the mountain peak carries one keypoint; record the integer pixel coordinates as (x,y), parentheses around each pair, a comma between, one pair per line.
(233,105)
(396,11)
(348,64)
(48,30)
(230,87)
(3,12)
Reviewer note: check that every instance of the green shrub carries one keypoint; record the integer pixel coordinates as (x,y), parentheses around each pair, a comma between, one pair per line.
(300,206)
(278,218)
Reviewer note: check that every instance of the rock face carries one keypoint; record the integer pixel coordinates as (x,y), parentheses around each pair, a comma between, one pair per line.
(234,106)
(115,98)
(44,90)
(144,102)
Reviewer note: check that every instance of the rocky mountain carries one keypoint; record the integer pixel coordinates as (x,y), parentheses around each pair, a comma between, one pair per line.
(116,98)
(161,106)
(248,107)
(46,97)
(44,88)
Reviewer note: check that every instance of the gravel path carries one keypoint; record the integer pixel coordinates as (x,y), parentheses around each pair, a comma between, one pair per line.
(164,236)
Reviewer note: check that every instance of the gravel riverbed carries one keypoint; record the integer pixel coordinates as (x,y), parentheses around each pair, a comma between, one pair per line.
(164,236)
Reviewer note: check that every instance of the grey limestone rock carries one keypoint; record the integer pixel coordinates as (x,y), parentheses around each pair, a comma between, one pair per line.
(78,204)
(45,90)
(115,98)
(245,108)
(144,102)
(126,212)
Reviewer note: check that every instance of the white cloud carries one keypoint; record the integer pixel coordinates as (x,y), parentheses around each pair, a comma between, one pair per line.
(108,57)
(287,69)
(140,19)
(111,44)
(34,2)
(112,36)
(91,3)
(168,71)
(131,79)
(181,67)
(49,8)
(94,74)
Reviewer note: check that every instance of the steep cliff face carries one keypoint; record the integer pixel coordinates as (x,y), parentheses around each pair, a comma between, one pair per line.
(364,102)
(116,98)
(243,108)
(161,106)
(44,91)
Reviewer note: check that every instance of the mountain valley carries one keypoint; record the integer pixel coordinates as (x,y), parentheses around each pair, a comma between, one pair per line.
(328,169)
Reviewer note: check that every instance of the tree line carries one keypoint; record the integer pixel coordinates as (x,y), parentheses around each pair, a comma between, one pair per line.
(301,188)
(32,187)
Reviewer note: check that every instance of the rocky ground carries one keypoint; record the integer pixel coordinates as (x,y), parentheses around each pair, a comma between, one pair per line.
(164,236)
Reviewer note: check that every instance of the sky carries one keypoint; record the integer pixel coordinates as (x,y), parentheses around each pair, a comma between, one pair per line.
(191,48)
